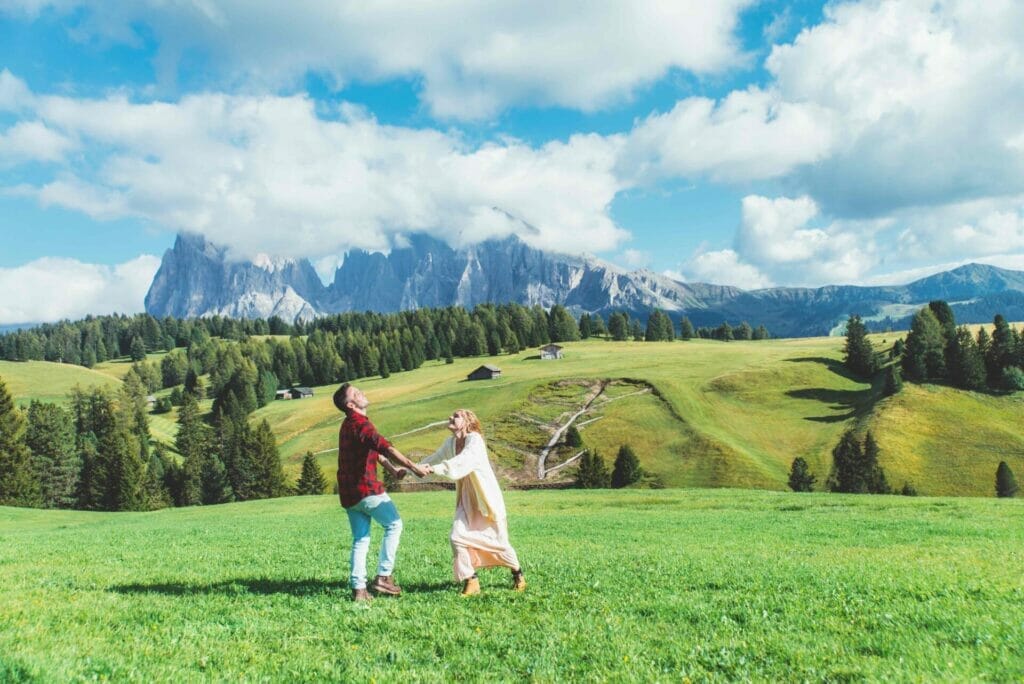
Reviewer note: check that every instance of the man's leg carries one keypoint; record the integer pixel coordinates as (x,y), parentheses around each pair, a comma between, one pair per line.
(360,524)
(383,510)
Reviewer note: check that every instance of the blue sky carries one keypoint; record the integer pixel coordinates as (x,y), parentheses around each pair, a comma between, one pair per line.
(739,142)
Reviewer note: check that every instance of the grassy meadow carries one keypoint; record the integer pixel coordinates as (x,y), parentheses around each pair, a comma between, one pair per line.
(50,382)
(698,414)
(638,585)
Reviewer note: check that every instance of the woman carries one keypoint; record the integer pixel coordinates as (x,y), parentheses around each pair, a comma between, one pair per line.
(480,532)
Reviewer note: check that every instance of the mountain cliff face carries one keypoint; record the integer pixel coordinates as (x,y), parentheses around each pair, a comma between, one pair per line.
(196,279)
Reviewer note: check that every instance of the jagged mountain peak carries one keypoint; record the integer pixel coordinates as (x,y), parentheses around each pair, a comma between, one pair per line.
(196,278)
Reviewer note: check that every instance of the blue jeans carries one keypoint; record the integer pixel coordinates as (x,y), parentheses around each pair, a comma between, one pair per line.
(378,507)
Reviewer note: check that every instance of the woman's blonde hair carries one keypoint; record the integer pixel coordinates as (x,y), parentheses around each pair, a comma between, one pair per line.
(472,422)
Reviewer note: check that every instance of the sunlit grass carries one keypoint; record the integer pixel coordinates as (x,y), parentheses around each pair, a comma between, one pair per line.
(625,585)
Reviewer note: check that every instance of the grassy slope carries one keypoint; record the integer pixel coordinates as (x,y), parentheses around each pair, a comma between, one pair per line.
(51,382)
(626,585)
(723,414)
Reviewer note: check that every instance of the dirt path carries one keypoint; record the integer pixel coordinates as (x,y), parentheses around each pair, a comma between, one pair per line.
(542,458)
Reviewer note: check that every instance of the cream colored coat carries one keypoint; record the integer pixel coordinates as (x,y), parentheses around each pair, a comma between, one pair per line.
(472,468)
(479,535)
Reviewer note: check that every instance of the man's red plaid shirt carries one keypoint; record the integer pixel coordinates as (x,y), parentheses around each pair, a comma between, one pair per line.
(359,446)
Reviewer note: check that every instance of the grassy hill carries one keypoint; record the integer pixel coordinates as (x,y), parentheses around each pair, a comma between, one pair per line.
(699,413)
(45,381)
(631,585)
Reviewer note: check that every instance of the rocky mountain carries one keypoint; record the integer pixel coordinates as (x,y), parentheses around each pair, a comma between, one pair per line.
(197,279)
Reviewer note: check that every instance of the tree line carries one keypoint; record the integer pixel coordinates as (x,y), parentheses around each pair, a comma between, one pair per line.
(935,350)
(97,454)
(367,343)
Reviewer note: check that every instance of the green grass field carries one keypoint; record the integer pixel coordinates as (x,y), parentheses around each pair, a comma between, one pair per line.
(699,413)
(635,585)
(52,382)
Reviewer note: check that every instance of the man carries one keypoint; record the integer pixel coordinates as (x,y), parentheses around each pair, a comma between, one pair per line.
(360,447)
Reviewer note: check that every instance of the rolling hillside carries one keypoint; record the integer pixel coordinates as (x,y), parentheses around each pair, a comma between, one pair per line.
(45,381)
(698,413)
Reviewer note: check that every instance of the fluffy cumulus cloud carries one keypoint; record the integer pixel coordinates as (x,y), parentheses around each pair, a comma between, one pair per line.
(777,244)
(473,58)
(270,174)
(51,289)
(749,135)
(722,267)
(926,96)
(894,126)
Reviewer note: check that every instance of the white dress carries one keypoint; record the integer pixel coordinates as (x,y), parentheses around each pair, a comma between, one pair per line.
(479,535)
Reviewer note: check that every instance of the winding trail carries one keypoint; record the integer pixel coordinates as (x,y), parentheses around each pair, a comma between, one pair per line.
(542,458)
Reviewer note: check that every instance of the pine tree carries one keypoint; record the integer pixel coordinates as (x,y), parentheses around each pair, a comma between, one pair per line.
(157,493)
(924,355)
(573,438)
(847,457)
(562,326)
(893,380)
(216,488)
(270,480)
(1006,483)
(192,443)
(686,331)
(584,326)
(965,362)
(1000,351)
(627,468)
(51,439)
(860,355)
(312,480)
(871,472)
(800,477)
(137,351)
(592,472)
(618,326)
(18,484)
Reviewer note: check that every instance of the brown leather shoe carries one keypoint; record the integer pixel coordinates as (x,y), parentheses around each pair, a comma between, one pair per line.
(518,581)
(470,587)
(385,584)
(361,596)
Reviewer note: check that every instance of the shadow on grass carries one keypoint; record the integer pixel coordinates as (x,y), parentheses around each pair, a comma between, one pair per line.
(847,403)
(834,365)
(851,404)
(260,586)
(241,585)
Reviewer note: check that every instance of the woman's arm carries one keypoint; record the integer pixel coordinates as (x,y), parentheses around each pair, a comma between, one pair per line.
(462,464)
(442,452)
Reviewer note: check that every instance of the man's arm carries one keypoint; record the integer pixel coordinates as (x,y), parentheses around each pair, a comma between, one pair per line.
(397,473)
(396,455)
(369,436)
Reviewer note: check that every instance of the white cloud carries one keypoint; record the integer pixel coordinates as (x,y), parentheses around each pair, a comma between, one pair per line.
(926,96)
(14,94)
(268,174)
(32,141)
(776,237)
(724,267)
(635,258)
(474,58)
(52,289)
(751,134)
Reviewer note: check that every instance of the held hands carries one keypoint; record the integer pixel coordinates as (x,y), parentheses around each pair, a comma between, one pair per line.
(426,469)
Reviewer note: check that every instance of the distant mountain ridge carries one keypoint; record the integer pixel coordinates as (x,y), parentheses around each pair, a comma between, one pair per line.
(195,278)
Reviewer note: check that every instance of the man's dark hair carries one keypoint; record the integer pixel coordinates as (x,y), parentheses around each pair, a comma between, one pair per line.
(341,397)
